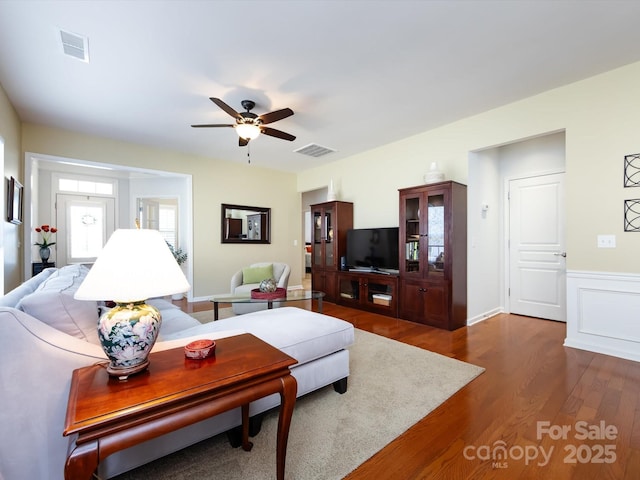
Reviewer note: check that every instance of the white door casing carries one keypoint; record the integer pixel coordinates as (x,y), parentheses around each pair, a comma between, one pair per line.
(537,266)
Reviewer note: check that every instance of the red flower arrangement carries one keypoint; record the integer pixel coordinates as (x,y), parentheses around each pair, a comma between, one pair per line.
(46,231)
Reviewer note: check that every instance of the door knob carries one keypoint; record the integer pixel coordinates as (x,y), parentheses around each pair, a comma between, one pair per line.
(560,254)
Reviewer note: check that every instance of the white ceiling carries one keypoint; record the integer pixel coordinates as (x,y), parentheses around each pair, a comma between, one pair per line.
(357,74)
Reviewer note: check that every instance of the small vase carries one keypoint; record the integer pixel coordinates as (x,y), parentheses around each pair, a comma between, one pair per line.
(45,253)
(434,175)
(331,193)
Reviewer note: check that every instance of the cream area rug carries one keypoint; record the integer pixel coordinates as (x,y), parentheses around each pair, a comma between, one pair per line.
(391,387)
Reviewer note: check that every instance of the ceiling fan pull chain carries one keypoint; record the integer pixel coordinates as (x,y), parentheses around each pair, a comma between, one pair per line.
(249,153)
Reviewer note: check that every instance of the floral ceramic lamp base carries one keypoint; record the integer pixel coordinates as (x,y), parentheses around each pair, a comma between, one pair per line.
(127,333)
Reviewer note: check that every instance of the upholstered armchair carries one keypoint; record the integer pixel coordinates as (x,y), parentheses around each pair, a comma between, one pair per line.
(248,278)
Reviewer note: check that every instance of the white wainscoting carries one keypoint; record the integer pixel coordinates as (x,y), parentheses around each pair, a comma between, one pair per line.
(603,313)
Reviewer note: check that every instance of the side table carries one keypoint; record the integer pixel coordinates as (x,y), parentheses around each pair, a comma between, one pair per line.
(37,267)
(105,415)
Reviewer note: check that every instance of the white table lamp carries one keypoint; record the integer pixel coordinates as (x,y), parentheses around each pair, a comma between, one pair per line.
(133,266)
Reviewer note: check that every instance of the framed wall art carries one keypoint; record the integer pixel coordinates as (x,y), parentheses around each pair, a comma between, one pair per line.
(632,215)
(632,170)
(14,201)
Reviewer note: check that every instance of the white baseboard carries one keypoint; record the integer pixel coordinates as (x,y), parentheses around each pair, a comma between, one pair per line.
(597,348)
(484,316)
(199,299)
(603,313)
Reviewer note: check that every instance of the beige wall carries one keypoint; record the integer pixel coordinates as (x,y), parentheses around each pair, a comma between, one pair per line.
(11,234)
(601,122)
(598,115)
(214,182)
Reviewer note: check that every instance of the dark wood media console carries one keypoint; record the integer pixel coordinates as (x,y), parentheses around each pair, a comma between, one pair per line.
(375,292)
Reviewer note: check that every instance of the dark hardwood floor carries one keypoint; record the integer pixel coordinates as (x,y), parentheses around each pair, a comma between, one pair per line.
(530,379)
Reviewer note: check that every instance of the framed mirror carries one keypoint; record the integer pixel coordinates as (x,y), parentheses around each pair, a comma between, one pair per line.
(243,224)
(14,201)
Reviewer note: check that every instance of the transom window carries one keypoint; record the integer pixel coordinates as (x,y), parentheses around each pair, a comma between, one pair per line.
(85,186)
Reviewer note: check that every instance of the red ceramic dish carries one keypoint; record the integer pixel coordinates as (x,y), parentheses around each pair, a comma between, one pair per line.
(200,349)
(279,293)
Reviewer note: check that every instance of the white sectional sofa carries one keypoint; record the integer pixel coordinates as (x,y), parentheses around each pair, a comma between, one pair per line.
(45,334)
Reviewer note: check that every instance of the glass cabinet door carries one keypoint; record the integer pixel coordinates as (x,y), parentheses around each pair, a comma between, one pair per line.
(435,234)
(317,238)
(323,251)
(412,237)
(424,234)
(329,260)
(349,288)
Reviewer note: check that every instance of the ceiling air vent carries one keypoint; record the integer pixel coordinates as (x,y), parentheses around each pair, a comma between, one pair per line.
(314,150)
(75,46)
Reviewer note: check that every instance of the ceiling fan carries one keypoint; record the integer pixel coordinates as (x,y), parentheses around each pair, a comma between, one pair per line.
(249,125)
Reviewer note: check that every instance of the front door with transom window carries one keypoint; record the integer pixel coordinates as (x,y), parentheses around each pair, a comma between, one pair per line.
(85,223)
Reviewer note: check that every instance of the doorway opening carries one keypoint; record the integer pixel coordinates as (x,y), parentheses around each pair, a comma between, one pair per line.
(309,198)
(130,183)
(490,172)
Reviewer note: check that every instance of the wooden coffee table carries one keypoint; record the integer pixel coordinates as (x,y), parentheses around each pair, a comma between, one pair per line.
(105,415)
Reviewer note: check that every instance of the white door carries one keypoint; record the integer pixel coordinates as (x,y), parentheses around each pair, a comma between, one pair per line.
(537,266)
(85,223)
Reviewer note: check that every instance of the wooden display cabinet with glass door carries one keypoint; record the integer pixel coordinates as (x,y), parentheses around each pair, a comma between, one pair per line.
(433,254)
(330,222)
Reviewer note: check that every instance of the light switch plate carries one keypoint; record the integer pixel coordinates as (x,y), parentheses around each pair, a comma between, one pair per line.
(606,241)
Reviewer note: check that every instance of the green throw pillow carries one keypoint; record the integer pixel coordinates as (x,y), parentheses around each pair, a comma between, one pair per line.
(257,274)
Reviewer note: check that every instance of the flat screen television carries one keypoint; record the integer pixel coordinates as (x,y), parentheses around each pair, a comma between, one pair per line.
(373,249)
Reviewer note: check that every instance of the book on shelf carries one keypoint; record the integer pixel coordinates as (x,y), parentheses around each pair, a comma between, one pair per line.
(381,299)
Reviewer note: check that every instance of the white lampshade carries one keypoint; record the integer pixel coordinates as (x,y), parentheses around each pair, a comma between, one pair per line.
(247,131)
(134,265)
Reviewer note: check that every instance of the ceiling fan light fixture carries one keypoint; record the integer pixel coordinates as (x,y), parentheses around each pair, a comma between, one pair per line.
(249,125)
(247,131)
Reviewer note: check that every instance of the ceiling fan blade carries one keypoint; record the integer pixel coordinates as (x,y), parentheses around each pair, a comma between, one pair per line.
(277,133)
(225,107)
(242,141)
(210,125)
(275,116)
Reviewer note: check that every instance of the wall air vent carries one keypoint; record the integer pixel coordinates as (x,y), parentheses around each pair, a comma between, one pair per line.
(314,150)
(75,46)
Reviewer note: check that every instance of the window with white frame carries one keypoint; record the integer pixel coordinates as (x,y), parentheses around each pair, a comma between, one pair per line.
(167,223)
